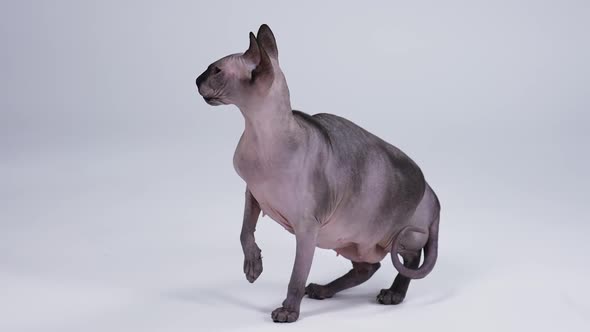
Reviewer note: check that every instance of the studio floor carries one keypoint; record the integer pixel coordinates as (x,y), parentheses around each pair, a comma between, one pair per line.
(120,254)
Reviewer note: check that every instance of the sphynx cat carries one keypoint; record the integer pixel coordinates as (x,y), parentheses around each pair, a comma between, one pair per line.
(326,180)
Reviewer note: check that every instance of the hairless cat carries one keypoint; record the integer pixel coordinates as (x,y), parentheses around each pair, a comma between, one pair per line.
(326,180)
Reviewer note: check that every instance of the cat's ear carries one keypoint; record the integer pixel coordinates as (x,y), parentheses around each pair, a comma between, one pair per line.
(267,41)
(263,74)
(252,54)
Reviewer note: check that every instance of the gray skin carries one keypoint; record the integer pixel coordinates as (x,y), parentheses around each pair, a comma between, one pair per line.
(324,179)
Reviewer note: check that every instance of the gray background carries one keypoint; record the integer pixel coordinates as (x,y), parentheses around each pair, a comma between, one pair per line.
(120,209)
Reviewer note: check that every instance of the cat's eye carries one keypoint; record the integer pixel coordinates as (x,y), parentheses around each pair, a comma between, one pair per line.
(216,70)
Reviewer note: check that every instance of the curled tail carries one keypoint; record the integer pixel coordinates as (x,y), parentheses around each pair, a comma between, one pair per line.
(430,250)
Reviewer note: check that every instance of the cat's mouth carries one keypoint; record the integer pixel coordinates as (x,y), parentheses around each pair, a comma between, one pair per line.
(213,101)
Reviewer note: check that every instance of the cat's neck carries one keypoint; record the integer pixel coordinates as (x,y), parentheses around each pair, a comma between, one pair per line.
(269,121)
(271,117)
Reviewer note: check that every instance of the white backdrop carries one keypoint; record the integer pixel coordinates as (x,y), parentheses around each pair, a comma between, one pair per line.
(120,209)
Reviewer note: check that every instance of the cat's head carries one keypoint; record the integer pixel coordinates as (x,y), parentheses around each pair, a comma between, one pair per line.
(242,78)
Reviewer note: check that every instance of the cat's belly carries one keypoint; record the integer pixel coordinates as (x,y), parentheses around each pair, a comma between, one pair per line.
(349,235)
(353,248)
(359,243)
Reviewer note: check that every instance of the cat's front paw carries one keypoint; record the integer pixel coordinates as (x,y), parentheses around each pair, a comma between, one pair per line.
(284,315)
(253,264)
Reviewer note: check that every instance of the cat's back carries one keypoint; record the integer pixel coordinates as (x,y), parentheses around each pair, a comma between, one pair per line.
(348,139)
(363,157)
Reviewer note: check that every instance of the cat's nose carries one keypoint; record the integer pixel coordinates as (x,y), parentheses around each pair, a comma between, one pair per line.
(199,81)
(201,78)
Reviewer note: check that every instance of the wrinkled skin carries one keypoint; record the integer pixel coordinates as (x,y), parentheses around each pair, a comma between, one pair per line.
(326,180)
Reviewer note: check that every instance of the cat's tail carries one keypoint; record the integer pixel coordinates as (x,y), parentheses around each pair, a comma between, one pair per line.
(430,249)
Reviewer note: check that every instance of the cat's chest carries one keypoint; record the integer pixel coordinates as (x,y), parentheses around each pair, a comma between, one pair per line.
(250,166)
(257,164)
(270,181)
